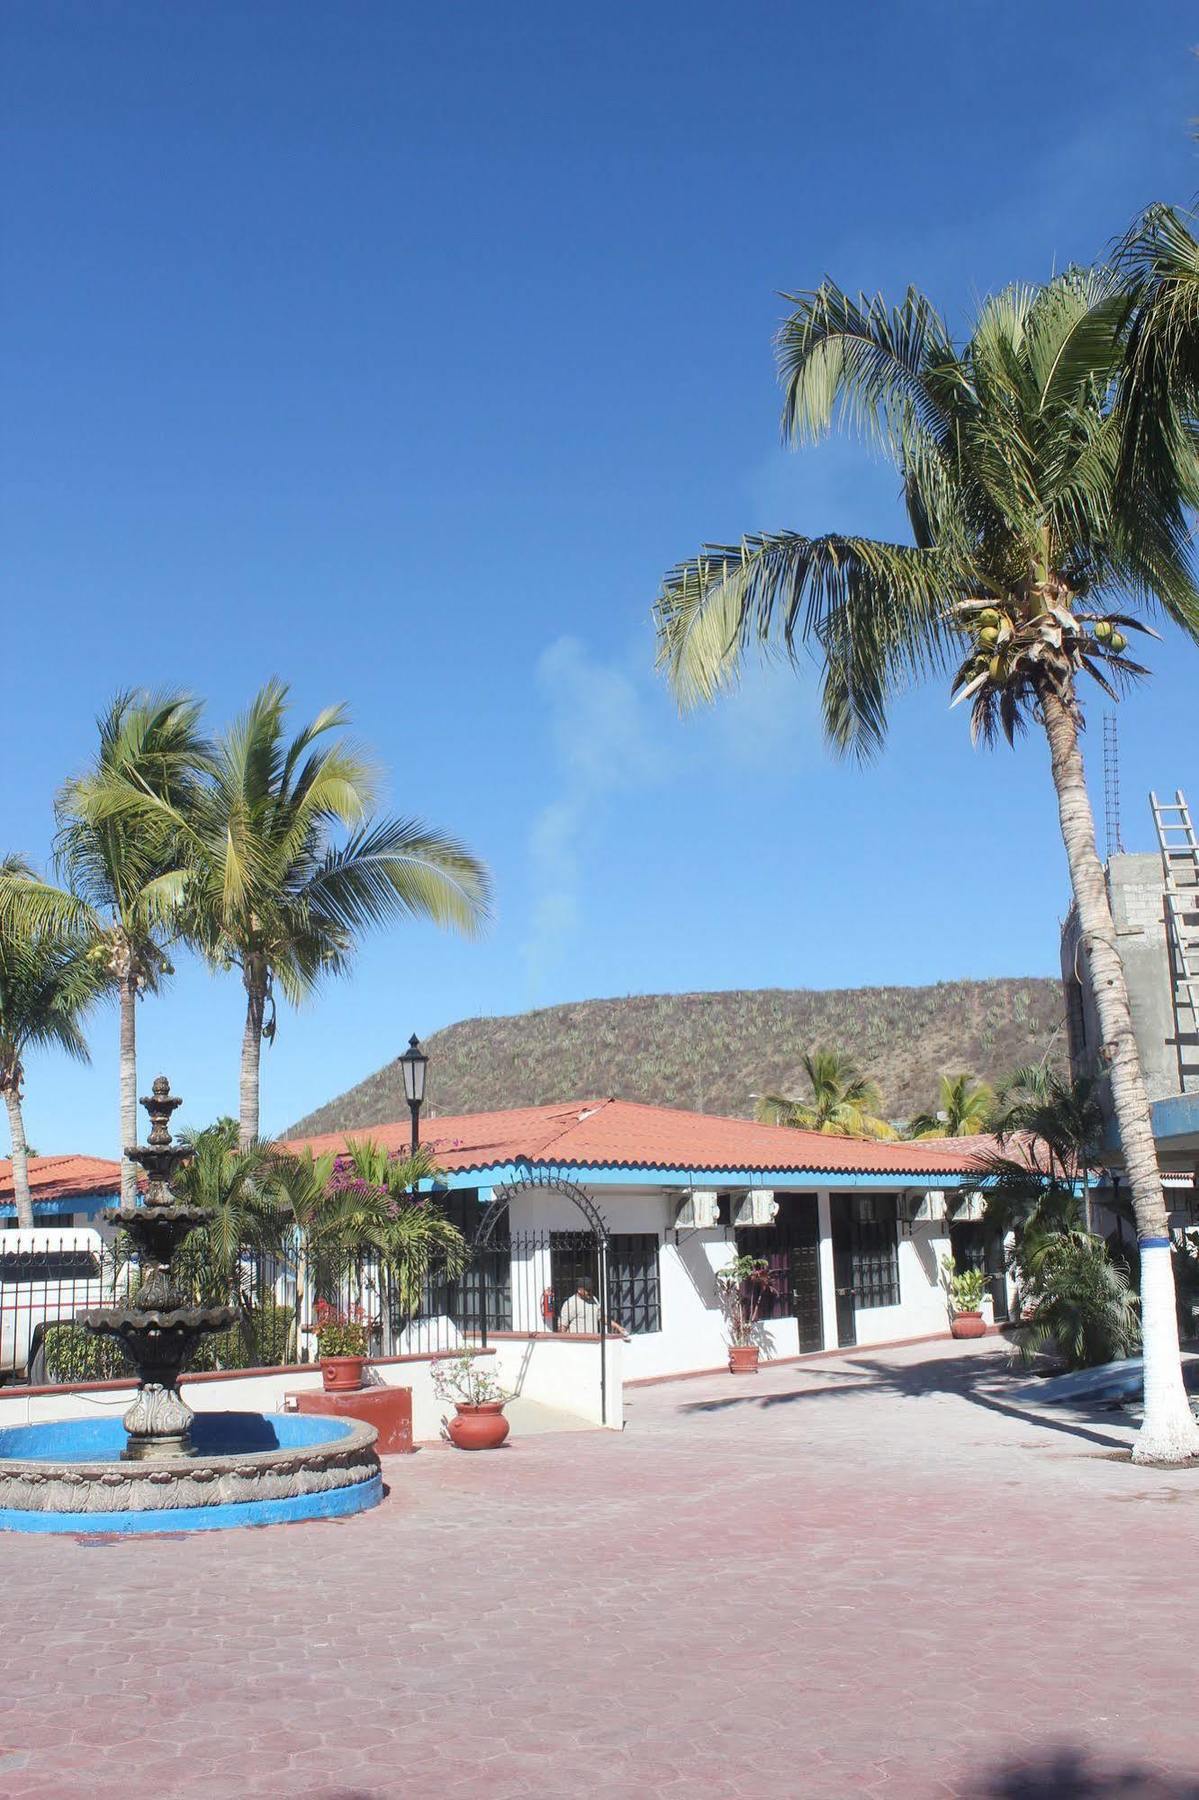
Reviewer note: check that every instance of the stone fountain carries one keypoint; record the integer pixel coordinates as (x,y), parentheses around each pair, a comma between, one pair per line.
(161,1466)
(159,1327)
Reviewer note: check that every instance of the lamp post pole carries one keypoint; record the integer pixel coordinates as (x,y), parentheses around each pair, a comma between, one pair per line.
(413,1064)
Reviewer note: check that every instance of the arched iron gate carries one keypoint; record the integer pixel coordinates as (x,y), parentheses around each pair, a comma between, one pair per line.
(596,1230)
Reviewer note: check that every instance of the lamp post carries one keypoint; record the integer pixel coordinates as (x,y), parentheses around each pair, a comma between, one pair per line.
(414,1063)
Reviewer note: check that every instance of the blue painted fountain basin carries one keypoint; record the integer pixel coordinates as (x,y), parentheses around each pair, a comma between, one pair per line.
(78,1463)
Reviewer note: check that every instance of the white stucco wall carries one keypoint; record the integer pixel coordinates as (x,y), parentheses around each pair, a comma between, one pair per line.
(922,1309)
(693,1335)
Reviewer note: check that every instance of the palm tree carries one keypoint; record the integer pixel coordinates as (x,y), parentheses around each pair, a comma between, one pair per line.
(843,1103)
(247,1194)
(271,894)
(48,980)
(1026,530)
(125,860)
(964,1108)
(360,1212)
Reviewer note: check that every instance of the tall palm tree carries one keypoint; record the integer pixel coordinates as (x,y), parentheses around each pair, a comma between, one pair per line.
(125,861)
(48,980)
(964,1107)
(1026,534)
(273,895)
(843,1102)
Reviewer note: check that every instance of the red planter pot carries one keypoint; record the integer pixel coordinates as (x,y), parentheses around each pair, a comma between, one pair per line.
(342,1374)
(967,1325)
(481,1427)
(743,1359)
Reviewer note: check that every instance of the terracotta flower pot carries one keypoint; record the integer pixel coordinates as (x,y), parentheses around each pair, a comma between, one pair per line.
(743,1359)
(481,1427)
(342,1374)
(967,1325)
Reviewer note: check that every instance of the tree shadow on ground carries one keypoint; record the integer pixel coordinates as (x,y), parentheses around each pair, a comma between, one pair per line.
(976,1379)
(1069,1774)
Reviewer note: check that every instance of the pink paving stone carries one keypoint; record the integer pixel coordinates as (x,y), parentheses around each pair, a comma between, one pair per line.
(873,1575)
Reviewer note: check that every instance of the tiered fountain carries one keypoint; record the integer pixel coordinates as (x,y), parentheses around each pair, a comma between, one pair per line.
(163,1466)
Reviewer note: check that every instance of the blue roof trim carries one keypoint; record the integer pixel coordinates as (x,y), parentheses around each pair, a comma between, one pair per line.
(650,1175)
(77,1203)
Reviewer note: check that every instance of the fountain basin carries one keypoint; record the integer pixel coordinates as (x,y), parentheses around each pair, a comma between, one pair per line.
(243,1469)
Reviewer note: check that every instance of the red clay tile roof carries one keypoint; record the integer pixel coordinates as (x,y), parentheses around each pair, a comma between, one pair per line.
(624,1133)
(64,1177)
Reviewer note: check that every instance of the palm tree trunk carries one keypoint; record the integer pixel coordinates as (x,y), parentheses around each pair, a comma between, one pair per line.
(251,1052)
(20,1156)
(128,1084)
(1169,1432)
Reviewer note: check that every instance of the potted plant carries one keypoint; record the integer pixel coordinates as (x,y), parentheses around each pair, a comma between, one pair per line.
(478,1399)
(743,1285)
(341,1347)
(966,1289)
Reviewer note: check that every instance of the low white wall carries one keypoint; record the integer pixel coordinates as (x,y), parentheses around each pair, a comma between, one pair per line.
(564,1372)
(558,1371)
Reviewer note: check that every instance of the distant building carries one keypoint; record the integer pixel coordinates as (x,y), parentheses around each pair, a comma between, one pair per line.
(1155,904)
(66,1190)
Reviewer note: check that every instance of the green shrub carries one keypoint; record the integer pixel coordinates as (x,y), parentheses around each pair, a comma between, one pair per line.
(1082,1305)
(260,1341)
(73,1354)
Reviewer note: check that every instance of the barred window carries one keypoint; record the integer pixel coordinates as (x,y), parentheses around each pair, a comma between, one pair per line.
(634,1291)
(875,1251)
(634,1298)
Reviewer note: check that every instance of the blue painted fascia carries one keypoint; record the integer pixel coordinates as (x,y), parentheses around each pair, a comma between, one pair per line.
(79,1203)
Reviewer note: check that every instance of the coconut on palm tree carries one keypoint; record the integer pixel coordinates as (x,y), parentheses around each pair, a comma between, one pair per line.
(48,981)
(1037,539)
(964,1108)
(841,1101)
(124,858)
(272,893)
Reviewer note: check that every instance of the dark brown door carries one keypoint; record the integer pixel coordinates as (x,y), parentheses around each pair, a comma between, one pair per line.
(847,1330)
(805,1278)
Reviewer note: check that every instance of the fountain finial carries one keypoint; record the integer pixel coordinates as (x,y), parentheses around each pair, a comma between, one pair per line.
(160,1103)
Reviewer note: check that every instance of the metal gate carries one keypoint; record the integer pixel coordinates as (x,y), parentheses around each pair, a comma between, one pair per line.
(574,1254)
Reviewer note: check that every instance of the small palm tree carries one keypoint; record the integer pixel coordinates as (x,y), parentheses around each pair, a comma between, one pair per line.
(246,1191)
(48,981)
(843,1101)
(125,859)
(964,1108)
(362,1210)
(1040,526)
(272,894)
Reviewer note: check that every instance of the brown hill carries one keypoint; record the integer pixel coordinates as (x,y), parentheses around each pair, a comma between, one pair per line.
(713,1052)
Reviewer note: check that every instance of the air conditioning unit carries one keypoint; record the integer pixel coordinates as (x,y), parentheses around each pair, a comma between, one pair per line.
(758,1207)
(699,1210)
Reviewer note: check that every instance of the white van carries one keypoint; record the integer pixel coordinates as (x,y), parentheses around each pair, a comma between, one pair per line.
(46,1276)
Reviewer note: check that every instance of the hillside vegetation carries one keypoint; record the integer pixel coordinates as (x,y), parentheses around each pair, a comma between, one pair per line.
(713,1052)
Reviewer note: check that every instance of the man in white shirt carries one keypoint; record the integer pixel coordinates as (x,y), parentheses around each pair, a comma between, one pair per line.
(581,1313)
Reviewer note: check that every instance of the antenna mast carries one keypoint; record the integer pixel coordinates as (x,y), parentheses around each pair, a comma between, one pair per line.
(1111,786)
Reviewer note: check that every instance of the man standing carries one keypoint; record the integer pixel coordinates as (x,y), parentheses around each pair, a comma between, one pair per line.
(581,1314)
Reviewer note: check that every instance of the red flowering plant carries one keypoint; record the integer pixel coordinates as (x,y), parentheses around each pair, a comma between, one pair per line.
(369,1222)
(743,1285)
(342,1333)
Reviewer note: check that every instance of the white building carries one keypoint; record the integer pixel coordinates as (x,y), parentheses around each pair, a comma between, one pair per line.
(854,1232)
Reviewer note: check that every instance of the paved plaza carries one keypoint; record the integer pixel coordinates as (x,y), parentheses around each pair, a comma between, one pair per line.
(874,1574)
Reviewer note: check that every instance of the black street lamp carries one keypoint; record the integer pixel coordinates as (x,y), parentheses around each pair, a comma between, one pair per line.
(414,1062)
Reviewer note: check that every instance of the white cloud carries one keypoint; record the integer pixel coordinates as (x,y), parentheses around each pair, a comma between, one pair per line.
(603,732)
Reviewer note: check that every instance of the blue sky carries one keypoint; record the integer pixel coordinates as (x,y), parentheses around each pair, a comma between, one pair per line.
(397,350)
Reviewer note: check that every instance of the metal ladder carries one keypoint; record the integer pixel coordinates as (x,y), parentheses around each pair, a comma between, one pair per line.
(1180,870)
